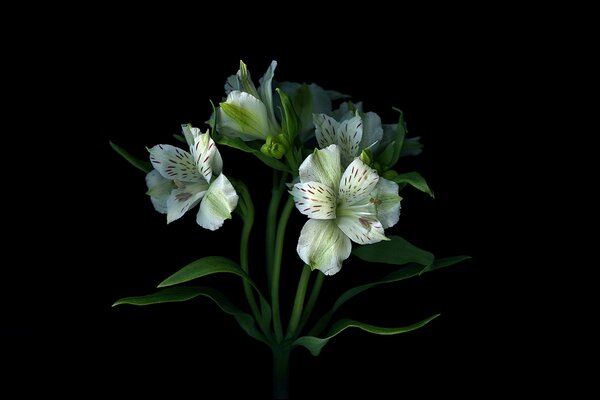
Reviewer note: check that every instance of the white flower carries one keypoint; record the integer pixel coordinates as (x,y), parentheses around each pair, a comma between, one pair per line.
(180,180)
(248,113)
(352,135)
(355,205)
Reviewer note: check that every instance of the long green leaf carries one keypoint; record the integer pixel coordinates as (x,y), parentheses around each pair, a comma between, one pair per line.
(142,165)
(398,138)
(183,293)
(445,262)
(405,272)
(239,144)
(202,267)
(215,265)
(315,344)
(414,179)
(395,251)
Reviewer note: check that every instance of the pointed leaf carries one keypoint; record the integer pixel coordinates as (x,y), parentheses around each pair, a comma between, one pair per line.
(414,179)
(215,265)
(395,251)
(406,272)
(316,344)
(180,138)
(183,293)
(445,262)
(145,166)
(398,138)
(202,267)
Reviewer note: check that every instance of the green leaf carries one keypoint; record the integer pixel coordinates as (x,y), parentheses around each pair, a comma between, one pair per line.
(180,138)
(168,295)
(395,251)
(239,144)
(386,156)
(398,138)
(289,121)
(445,262)
(215,265)
(414,179)
(203,267)
(406,272)
(142,165)
(316,344)
(183,293)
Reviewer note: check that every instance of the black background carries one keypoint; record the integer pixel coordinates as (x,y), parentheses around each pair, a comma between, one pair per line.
(138,88)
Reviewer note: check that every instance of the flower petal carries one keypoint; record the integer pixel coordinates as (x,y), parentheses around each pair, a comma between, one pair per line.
(243,115)
(325,130)
(184,197)
(314,200)
(174,163)
(357,183)
(372,132)
(348,137)
(188,133)
(387,202)
(362,229)
(159,190)
(218,203)
(265,90)
(323,246)
(322,166)
(205,154)
(232,83)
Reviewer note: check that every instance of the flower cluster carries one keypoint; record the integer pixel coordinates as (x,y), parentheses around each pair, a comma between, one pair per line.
(333,162)
(336,156)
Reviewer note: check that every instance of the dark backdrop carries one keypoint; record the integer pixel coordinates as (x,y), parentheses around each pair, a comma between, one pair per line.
(136,90)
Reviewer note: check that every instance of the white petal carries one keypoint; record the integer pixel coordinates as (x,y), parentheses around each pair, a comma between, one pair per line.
(218,203)
(363,229)
(315,200)
(372,131)
(183,198)
(357,183)
(387,202)
(159,190)
(174,163)
(348,137)
(188,132)
(325,130)
(243,115)
(265,90)
(322,166)
(205,154)
(232,84)
(323,246)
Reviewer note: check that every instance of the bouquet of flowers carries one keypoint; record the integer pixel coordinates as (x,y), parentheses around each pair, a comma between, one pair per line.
(337,167)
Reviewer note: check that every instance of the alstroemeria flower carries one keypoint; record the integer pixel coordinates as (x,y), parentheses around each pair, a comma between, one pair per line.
(248,113)
(352,135)
(180,180)
(355,205)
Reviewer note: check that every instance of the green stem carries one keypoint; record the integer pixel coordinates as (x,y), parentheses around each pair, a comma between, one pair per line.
(285,215)
(312,300)
(281,372)
(298,302)
(276,192)
(248,218)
